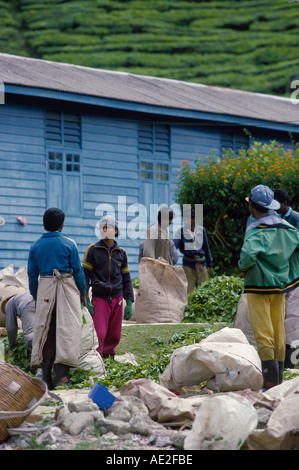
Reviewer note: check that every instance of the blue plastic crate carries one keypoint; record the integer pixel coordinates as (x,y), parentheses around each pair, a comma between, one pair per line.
(101,396)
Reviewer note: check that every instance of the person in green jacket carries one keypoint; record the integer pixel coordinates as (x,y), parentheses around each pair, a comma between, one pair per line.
(269,262)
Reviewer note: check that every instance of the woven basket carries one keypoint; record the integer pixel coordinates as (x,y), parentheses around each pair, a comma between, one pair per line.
(20,394)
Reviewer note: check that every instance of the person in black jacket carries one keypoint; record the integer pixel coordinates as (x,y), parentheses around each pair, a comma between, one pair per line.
(107,272)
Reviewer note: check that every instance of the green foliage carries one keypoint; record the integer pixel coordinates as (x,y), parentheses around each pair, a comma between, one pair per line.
(21,355)
(222,184)
(215,300)
(240,44)
(118,373)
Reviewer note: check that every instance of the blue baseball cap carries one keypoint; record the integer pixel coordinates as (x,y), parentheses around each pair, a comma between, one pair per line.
(263,196)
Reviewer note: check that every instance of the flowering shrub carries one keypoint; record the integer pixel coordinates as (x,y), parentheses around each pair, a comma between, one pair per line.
(222,185)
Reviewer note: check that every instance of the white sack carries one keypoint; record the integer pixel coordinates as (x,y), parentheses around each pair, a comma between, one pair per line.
(162,293)
(90,359)
(283,419)
(222,422)
(9,277)
(242,320)
(163,406)
(69,322)
(225,358)
(291,323)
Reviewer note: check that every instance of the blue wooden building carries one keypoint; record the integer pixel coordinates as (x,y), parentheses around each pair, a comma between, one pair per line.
(86,140)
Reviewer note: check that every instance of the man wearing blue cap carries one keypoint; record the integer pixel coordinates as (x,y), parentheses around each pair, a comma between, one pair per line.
(269,261)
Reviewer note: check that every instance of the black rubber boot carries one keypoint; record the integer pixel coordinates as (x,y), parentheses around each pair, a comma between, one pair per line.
(270,374)
(288,363)
(280,371)
(62,375)
(47,373)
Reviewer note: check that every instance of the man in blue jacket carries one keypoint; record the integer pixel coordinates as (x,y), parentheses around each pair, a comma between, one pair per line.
(285,211)
(56,282)
(192,241)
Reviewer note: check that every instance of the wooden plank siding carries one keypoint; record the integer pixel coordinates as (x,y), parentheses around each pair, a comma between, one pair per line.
(22,182)
(110,168)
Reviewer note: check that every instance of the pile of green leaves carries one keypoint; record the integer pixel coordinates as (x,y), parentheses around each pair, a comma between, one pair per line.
(117,372)
(215,300)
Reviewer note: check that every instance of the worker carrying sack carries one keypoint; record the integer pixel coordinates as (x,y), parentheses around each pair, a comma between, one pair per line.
(162,294)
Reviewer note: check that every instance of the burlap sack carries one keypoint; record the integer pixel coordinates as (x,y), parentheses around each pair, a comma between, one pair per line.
(291,323)
(90,359)
(11,284)
(283,419)
(62,290)
(224,358)
(162,293)
(242,320)
(163,406)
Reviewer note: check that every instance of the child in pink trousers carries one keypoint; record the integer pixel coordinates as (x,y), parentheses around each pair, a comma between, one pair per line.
(107,272)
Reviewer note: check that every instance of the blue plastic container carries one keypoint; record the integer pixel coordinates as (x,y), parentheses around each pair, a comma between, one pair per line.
(101,396)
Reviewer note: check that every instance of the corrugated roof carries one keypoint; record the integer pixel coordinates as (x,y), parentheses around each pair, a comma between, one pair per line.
(139,89)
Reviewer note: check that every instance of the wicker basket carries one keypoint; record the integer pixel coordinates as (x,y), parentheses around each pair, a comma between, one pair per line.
(20,394)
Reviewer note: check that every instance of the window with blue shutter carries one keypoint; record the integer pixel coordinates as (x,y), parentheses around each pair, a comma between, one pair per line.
(154,163)
(63,144)
(234,141)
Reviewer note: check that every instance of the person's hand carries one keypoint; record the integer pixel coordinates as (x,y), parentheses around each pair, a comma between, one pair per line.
(128,310)
(243,274)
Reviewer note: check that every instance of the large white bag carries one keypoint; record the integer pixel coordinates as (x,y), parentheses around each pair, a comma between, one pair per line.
(11,284)
(222,422)
(283,419)
(291,323)
(225,358)
(162,293)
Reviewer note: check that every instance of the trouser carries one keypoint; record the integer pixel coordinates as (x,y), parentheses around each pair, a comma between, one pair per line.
(266,315)
(107,320)
(195,278)
(27,318)
(49,349)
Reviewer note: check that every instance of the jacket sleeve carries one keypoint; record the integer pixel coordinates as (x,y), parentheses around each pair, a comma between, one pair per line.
(33,273)
(249,252)
(207,250)
(88,265)
(126,279)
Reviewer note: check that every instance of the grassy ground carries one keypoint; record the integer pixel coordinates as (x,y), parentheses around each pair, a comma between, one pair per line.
(145,340)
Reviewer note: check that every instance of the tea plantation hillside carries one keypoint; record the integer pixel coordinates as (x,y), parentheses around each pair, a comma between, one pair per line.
(245,44)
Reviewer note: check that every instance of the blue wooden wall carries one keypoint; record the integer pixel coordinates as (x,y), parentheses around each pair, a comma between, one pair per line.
(109,169)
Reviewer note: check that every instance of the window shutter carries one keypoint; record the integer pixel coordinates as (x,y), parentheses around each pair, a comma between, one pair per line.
(53,128)
(72,130)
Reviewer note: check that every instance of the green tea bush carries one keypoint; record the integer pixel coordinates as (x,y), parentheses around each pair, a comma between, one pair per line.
(222,184)
(259,39)
(215,300)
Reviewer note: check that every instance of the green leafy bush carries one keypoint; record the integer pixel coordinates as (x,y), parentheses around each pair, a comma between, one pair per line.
(215,300)
(222,184)
(239,44)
